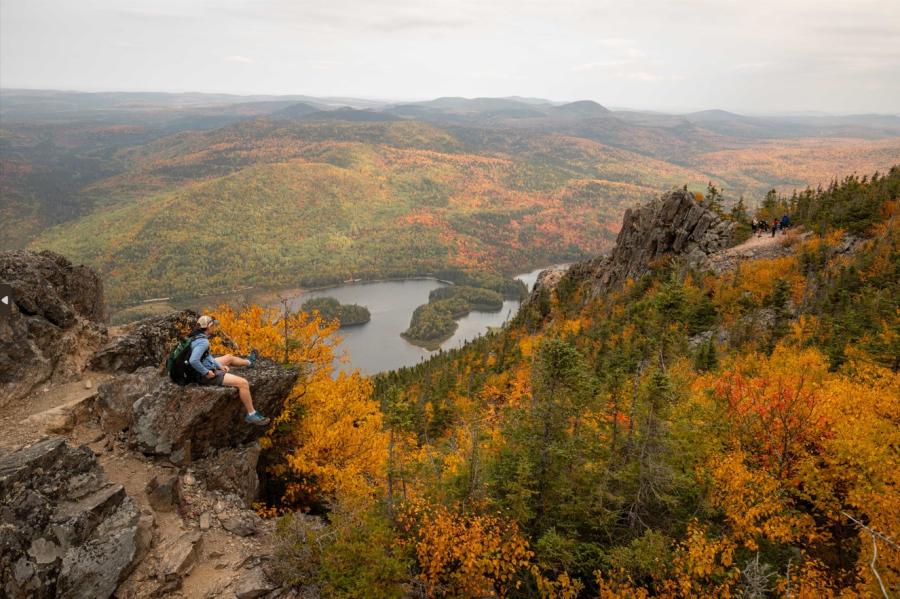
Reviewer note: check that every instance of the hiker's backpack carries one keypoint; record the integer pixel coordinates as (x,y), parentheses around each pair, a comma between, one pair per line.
(180,370)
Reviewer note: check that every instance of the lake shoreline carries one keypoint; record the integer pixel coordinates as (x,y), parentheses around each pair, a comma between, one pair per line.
(378,345)
(270,294)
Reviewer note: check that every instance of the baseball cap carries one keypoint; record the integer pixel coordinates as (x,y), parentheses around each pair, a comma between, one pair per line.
(206,320)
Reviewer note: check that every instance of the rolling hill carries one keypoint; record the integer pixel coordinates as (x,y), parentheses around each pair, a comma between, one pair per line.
(171,196)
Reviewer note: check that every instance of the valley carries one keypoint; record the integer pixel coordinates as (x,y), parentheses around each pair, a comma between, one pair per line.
(183,196)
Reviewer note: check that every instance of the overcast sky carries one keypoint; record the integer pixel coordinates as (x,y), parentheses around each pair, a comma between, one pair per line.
(745,55)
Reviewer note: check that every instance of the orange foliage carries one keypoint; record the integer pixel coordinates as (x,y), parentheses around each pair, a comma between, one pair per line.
(310,339)
(464,555)
(774,414)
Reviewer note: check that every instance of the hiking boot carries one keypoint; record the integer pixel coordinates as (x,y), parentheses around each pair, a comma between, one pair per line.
(253,356)
(257,419)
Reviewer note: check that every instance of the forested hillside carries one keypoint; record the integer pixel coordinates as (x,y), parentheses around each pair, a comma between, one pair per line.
(160,192)
(717,426)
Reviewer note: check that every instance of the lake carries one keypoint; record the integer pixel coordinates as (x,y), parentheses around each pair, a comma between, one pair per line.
(377,345)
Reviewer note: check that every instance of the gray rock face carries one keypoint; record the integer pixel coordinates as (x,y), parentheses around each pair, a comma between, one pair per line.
(232,470)
(188,423)
(546,280)
(64,530)
(47,284)
(242,525)
(146,342)
(676,224)
(56,323)
(178,556)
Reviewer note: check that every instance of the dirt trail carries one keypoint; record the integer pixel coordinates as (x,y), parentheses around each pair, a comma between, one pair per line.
(50,409)
(765,240)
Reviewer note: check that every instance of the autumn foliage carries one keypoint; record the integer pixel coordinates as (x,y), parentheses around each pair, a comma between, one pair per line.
(687,435)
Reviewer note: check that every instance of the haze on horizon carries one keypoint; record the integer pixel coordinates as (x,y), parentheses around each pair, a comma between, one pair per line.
(839,56)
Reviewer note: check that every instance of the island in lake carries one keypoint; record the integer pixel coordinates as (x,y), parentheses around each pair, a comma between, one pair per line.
(435,322)
(331,309)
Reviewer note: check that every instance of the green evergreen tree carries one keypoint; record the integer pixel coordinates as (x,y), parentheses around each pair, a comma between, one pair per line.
(706,358)
(714,198)
(739,212)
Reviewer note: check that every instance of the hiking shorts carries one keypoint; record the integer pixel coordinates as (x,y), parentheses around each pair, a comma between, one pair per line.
(213,382)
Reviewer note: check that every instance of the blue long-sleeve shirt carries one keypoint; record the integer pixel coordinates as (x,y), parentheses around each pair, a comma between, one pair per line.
(201,360)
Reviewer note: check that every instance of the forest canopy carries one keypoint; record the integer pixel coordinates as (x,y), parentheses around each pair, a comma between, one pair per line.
(688,434)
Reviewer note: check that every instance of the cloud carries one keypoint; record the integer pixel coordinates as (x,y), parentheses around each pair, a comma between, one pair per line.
(142,15)
(821,52)
(420,24)
(323,65)
(603,64)
(751,66)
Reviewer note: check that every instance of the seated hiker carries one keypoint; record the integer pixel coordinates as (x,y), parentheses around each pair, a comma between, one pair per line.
(215,371)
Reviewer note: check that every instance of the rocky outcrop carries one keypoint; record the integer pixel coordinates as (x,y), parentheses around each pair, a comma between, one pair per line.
(158,417)
(56,323)
(64,530)
(676,224)
(546,280)
(146,342)
(47,284)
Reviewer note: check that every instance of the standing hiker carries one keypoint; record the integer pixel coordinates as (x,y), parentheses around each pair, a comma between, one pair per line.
(785,222)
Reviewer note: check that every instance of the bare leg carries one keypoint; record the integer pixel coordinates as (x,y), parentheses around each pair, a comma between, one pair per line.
(229,360)
(243,388)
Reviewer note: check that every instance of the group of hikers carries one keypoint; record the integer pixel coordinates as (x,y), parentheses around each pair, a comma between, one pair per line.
(761,225)
(192,362)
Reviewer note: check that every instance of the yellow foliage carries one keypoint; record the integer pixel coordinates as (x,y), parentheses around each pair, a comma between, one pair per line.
(704,566)
(310,339)
(338,443)
(564,587)
(328,438)
(754,503)
(464,555)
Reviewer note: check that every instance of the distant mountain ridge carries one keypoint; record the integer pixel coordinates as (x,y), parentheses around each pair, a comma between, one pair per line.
(311,192)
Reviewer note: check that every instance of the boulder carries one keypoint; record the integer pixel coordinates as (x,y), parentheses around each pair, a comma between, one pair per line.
(178,556)
(56,323)
(188,423)
(116,397)
(547,280)
(243,524)
(252,584)
(145,342)
(162,492)
(64,530)
(48,285)
(232,470)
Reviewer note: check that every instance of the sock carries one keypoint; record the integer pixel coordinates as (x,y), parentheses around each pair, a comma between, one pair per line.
(252,413)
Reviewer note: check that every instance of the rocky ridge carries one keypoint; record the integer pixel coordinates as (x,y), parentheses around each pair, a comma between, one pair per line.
(57,321)
(143,488)
(674,225)
(143,343)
